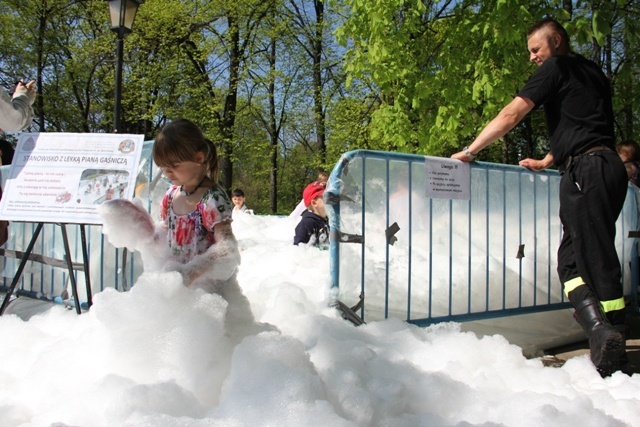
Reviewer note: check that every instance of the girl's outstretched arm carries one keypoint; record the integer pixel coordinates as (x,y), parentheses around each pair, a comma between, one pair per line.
(128,224)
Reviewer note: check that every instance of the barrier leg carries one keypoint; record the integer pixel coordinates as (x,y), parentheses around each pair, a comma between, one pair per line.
(67,257)
(85,258)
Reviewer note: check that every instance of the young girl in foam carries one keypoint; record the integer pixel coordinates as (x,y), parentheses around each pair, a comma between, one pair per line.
(194,236)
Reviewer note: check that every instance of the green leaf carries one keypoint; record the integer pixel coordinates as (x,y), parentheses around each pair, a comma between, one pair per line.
(601,27)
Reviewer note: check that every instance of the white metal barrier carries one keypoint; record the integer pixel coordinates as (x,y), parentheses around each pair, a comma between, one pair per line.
(491,256)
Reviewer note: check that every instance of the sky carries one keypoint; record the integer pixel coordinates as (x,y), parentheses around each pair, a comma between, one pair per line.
(161,355)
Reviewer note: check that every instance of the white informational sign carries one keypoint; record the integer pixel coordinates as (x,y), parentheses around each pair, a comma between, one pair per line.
(64,177)
(447,178)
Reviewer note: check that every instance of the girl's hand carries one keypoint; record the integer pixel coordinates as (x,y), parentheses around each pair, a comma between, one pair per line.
(219,262)
(126,224)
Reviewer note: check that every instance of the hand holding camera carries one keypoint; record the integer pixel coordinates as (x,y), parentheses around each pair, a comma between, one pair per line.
(25,89)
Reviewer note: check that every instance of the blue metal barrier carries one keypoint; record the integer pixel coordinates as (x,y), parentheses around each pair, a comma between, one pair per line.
(452,260)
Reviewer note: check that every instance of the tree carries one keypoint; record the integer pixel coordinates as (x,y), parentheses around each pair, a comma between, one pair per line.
(64,51)
(198,51)
(269,83)
(312,22)
(271,78)
(444,69)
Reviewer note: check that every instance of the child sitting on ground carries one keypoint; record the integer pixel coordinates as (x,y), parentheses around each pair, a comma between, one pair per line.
(195,236)
(313,228)
(237,197)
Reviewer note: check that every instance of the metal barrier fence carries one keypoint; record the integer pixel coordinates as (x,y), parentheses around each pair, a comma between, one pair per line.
(491,256)
(452,260)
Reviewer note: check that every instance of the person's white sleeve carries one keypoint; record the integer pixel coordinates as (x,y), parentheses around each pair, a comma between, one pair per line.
(15,114)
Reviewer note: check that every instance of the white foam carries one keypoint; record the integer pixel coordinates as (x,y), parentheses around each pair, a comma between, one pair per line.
(159,355)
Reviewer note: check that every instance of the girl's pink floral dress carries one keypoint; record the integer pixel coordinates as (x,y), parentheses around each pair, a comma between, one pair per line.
(192,234)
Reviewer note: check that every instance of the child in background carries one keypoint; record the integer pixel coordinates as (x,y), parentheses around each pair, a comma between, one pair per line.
(196,221)
(237,197)
(295,216)
(629,152)
(313,228)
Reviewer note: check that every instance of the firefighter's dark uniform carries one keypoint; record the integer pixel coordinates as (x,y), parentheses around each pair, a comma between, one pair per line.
(577,102)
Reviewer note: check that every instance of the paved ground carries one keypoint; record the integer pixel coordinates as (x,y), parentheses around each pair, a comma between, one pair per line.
(557,356)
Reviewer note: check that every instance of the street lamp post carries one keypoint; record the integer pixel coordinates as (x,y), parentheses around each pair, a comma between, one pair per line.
(122,13)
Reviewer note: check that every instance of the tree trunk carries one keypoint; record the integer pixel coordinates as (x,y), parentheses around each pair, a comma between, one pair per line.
(273,131)
(42,26)
(568,6)
(317,45)
(529,148)
(629,90)
(506,141)
(230,105)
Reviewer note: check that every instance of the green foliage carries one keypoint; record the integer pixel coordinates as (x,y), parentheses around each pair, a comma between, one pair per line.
(348,121)
(442,73)
(251,162)
(418,76)
(445,69)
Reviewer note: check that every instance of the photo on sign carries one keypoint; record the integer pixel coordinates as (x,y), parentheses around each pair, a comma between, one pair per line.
(99,185)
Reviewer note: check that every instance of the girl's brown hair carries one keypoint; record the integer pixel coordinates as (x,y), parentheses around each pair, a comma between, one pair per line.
(181,141)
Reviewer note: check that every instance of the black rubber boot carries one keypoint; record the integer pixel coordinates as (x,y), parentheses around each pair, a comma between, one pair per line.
(625,364)
(606,344)
(617,318)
